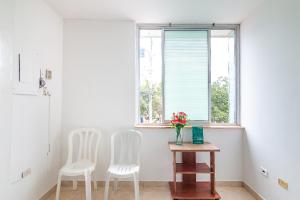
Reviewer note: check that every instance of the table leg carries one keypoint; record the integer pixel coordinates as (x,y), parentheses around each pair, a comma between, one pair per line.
(174,169)
(212,174)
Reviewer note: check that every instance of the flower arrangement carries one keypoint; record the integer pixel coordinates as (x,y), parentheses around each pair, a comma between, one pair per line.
(179,121)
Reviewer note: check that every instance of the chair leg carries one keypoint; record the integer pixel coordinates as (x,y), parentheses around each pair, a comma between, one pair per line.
(74,184)
(106,186)
(115,184)
(95,181)
(88,190)
(58,186)
(136,186)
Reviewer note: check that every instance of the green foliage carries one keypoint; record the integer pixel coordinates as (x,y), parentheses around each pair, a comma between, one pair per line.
(150,102)
(220,100)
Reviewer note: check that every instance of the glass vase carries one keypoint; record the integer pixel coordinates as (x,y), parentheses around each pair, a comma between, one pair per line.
(179,136)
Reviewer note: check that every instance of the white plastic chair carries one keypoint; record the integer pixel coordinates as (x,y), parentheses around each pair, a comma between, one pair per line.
(85,163)
(125,159)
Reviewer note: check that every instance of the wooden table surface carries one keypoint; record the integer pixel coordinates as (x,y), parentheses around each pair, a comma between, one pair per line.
(189,147)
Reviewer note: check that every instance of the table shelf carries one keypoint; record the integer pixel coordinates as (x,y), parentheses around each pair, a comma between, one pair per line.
(198,190)
(182,168)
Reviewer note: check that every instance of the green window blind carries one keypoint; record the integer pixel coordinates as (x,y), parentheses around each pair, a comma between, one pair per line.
(186,74)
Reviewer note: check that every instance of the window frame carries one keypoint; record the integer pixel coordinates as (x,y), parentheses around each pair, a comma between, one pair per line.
(182,27)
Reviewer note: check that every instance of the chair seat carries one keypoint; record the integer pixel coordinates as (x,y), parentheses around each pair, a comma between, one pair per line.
(123,170)
(78,167)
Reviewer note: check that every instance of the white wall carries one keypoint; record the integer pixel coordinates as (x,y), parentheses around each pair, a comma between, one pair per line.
(99,91)
(43,32)
(271,96)
(6,64)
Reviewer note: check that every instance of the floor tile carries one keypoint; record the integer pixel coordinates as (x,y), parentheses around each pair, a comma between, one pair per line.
(146,193)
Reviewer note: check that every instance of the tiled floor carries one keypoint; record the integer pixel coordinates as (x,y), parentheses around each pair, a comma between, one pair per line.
(147,193)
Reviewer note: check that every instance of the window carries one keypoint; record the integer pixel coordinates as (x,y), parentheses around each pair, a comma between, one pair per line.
(186,74)
(190,69)
(150,60)
(223,77)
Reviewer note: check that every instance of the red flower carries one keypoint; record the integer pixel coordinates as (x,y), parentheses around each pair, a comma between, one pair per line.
(182,113)
(179,118)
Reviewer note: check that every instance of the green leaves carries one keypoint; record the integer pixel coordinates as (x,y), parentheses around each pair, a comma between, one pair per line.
(220,100)
(150,102)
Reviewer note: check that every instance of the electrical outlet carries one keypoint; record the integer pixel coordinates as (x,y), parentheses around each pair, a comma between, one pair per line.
(26,173)
(264,172)
(282,183)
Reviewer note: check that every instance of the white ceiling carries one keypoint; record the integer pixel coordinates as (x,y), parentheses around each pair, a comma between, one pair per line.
(157,11)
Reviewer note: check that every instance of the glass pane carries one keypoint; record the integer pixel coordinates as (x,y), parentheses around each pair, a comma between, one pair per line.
(186,73)
(150,76)
(223,88)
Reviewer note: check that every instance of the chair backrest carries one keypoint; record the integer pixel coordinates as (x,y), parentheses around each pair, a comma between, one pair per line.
(125,147)
(88,140)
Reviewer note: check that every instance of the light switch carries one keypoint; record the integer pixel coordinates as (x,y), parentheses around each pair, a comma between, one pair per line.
(283,184)
(48,74)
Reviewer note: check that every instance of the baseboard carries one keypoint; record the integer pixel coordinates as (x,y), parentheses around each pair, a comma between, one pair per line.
(159,184)
(69,183)
(47,195)
(252,192)
(229,183)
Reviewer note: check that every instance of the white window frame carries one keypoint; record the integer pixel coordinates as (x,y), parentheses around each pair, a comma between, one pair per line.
(205,27)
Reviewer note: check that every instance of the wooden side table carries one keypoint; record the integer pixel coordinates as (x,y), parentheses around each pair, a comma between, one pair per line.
(189,188)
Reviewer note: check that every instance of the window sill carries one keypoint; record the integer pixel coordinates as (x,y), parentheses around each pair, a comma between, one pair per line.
(208,126)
